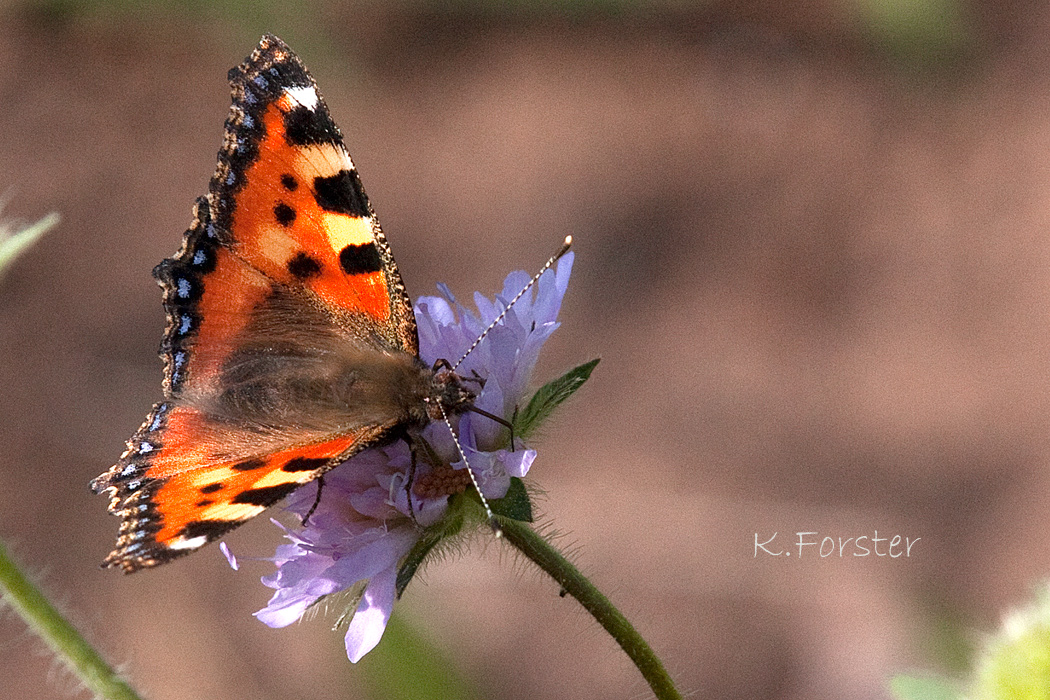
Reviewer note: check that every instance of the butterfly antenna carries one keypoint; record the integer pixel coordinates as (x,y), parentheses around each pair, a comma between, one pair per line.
(493,523)
(554,258)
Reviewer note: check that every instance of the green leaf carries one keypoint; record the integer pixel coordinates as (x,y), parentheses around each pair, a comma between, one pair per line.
(16,244)
(516,504)
(550,396)
(912,688)
(413,560)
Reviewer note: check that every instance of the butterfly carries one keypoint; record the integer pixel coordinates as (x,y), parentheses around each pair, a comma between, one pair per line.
(291,344)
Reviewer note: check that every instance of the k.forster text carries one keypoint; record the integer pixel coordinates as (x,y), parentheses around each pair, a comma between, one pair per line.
(814,544)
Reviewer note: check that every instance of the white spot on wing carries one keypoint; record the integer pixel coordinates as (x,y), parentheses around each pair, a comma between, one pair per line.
(304,95)
(191,543)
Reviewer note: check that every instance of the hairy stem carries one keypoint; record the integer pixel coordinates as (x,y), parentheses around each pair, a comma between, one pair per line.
(48,624)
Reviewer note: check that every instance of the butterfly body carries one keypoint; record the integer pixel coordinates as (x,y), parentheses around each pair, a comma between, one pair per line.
(291,343)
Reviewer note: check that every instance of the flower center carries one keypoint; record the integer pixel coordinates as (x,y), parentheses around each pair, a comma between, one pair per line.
(441,481)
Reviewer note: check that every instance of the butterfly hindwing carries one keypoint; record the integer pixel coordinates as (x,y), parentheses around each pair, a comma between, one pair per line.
(176,496)
(282,297)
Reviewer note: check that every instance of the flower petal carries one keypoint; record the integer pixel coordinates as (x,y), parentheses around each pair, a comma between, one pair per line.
(229,556)
(516,463)
(369,623)
(289,603)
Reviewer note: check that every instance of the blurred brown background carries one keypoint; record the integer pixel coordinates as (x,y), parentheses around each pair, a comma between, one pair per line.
(813,251)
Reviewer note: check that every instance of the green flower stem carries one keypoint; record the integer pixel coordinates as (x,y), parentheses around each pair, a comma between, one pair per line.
(540,551)
(60,635)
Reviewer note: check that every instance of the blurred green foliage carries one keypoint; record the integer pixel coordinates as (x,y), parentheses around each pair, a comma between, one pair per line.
(909,688)
(1013,664)
(15,240)
(949,638)
(919,31)
(916,32)
(298,23)
(405,666)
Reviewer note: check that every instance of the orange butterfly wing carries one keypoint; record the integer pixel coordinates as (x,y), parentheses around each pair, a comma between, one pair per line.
(287,324)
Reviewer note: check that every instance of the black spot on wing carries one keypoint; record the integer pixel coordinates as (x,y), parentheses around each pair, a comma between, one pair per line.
(360,259)
(209,529)
(266,495)
(342,193)
(204,503)
(303,267)
(249,465)
(304,464)
(211,488)
(309,127)
(284,214)
(289,182)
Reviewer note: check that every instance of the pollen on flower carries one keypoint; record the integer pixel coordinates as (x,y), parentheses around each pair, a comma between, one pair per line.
(442,481)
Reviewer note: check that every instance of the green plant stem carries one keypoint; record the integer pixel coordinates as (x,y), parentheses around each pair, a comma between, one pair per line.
(48,624)
(540,551)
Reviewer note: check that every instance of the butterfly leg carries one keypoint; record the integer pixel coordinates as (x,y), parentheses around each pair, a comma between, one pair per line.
(411,475)
(317,501)
(492,416)
(476,378)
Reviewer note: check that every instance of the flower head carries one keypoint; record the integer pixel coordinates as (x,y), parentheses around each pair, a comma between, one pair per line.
(363,526)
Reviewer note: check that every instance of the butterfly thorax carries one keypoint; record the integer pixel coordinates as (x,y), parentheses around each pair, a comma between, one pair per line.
(448,394)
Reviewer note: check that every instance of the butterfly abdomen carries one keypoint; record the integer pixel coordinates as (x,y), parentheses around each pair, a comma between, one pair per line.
(306,390)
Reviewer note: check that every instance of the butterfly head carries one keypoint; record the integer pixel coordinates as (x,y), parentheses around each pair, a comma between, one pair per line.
(449,394)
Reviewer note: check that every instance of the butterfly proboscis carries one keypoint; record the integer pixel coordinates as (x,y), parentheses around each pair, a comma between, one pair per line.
(489,515)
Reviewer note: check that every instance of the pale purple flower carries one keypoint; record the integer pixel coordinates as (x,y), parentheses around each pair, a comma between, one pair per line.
(363,526)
